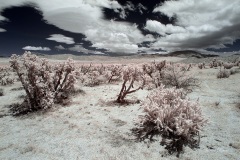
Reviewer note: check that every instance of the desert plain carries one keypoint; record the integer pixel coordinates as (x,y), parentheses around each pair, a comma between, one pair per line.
(90,127)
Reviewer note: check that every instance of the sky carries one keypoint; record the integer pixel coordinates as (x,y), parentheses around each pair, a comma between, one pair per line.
(118,27)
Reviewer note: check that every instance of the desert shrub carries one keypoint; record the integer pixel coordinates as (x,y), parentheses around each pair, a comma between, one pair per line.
(101,70)
(160,65)
(233,71)
(1,92)
(114,73)
(43,83)
(131,76)
(175,77)
(190,66)
(177,120)
(223,73)
(215,63)
(157,78)
(149,69)
(5,76)
(228,65)
(94,78)
(6,81)
(85,69)
(201,65)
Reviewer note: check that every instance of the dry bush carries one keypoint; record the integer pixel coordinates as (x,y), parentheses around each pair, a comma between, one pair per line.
(99,75)
(223,73)
(43,83)
(155,70)
(94,78)
(131,76)
(85,69)
(176,77)
(114,73)
(5,76)
(201,65)
(101,70)
(177,120)
(228,65)
(233,71)
(215,63)
(149,69)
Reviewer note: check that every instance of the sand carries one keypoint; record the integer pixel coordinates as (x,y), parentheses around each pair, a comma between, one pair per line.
(91,128)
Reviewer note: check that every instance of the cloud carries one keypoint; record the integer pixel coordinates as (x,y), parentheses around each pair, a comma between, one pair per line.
(2,30)
(98,52)
(60,47)
(32,48)
(115,37)
(199,24)
(61,38)
(79,48)
(86,17)
(116,47)
(158,27)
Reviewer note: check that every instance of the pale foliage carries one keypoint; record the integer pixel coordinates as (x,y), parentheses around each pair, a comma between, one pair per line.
(44,84)
(131,76)
(5,77)
(223,73)
(168,114)
(175,76)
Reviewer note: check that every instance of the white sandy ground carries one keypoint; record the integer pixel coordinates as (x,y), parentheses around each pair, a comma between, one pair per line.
(91,129)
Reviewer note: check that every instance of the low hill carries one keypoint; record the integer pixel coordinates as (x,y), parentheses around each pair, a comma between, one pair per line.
(190,53)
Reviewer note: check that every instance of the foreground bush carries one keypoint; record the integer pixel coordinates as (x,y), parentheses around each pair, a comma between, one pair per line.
(177,120)
(43,83)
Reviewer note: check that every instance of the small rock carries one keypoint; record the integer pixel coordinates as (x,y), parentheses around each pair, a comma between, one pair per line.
(235,145)
(210,147)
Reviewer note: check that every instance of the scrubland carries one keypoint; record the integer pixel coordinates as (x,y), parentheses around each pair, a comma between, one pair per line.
(119,108)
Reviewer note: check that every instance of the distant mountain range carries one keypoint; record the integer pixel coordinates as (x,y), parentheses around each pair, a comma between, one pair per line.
(182,54)
(190,53)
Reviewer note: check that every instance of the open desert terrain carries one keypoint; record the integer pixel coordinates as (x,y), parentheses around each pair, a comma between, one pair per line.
(92,127)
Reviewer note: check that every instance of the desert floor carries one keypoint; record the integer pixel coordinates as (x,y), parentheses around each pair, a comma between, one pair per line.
(91,128)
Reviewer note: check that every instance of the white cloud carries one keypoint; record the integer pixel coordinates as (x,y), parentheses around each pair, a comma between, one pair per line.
(98,52)
(61,38)
(86,17)
(117,34)
(200,24)
(155,26)
(79,48)
(2,30)
(60,47)
(32,48)
(116,47)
